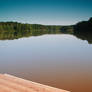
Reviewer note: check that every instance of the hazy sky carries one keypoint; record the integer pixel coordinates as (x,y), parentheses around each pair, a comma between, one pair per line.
(54,12)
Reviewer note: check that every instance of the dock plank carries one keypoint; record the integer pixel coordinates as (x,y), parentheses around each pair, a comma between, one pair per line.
(9,83)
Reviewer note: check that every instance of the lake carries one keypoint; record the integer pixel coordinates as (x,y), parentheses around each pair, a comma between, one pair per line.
(60,60)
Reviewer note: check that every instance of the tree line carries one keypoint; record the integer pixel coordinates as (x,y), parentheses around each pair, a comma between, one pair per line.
(15,30)
(11,30)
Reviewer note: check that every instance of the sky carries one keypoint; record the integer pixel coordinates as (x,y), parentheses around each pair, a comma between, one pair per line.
(47,12)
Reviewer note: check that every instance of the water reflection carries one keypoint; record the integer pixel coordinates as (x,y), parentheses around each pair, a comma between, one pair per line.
(84,36)
(11,36)
(59,60)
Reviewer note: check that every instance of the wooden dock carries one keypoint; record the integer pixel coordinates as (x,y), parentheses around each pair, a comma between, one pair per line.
(9,83)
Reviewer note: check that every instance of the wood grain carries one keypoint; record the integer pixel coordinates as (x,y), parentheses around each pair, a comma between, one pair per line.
(9,83)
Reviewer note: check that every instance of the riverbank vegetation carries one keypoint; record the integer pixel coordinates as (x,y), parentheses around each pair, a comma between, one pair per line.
(15,30)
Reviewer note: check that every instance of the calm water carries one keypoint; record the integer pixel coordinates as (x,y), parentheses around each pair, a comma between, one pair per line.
(62,61)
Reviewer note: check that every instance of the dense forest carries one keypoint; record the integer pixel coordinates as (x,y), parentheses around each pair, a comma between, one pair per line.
(83,30)
(84,26)
(15,30)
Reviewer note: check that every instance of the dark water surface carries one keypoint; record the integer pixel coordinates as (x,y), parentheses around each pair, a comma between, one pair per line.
(62,61)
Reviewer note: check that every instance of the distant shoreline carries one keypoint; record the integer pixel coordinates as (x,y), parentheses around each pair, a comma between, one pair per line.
(15,30)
